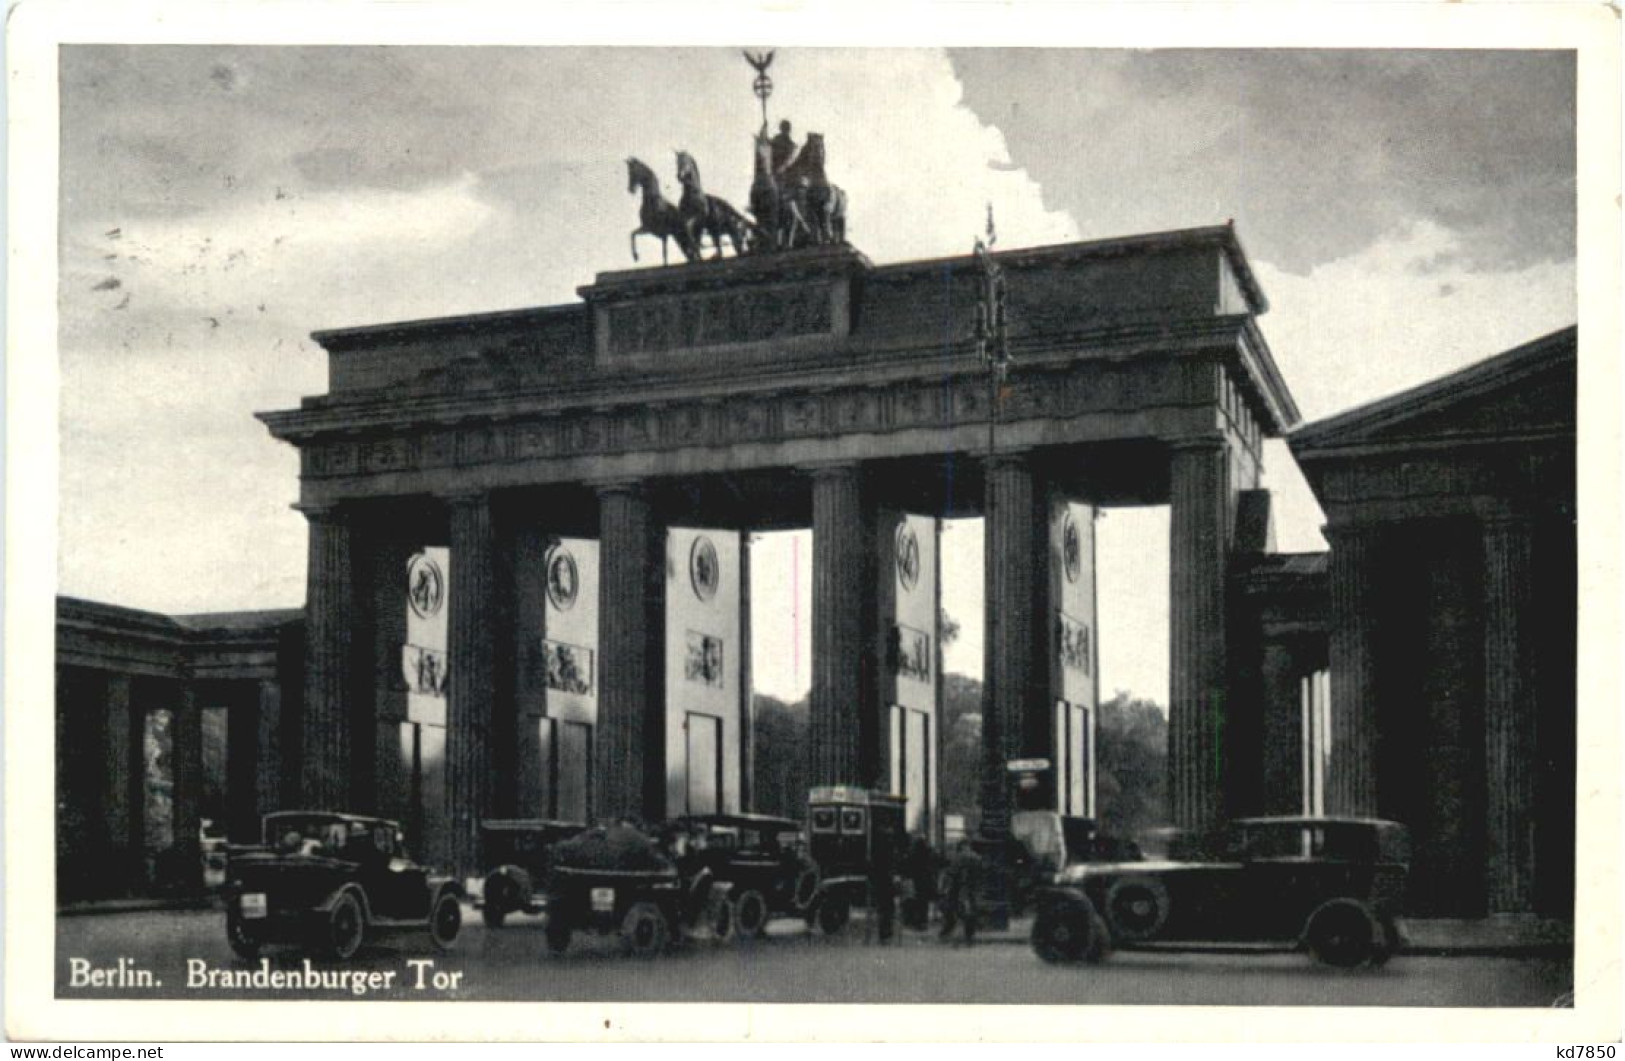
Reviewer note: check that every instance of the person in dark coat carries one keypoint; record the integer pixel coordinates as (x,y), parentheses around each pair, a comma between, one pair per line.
(960,905)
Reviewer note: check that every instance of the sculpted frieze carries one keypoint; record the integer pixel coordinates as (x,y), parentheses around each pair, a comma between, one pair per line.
(747,421)
(708,319)
(387,456)
(536,440)
(686,424)
(802,416)
(703,421)
(439,448)
(476,446)
(916,405)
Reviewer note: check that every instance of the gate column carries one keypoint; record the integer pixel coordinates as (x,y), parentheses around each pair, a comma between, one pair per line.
(1015,708)
(469,682)
(1351,775)
(1198,536)
(628,760)
(1510,704)
(843,674)
(324,751)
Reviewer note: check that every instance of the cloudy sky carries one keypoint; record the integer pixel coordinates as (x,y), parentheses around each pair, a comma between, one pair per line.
(1407,212)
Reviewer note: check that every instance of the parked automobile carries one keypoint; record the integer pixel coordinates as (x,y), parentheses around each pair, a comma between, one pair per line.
(858,841)
(1334,886)
(519,852)
(615,879)
(743,869)
(328,881)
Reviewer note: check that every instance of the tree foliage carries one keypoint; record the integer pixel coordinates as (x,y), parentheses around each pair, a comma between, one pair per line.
(1131,765)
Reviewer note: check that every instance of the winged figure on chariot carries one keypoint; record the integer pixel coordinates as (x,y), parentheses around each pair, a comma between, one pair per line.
(793,204)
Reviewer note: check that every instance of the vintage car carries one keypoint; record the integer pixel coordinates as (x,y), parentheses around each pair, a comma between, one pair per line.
(1041,847)
(327,882)
(743,869)
(519,850)
(859,843)
(615,879)
(1333,886)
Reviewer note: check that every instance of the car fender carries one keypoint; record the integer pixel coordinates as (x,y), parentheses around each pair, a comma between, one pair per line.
(438,884)
(1342,900)
(348,888)
(519,878)
(1059,895)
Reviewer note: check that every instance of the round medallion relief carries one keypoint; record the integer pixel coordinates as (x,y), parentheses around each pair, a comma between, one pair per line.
(704,571)
(1071,549)
(425,586)
(908,556)
(563,579)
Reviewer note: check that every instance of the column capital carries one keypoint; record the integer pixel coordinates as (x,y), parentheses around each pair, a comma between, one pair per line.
(601,487)
(1350,532)
(830,469)
(320,512)
(464,498)
(1505,518)
(1197,444)
(1013,457)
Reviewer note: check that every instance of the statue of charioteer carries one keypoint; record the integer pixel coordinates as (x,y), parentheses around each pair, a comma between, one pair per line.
(793,204)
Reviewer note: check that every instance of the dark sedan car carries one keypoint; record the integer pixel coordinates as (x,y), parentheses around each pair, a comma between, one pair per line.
(743,868)
(325,881)
(520,854)
(1334,886)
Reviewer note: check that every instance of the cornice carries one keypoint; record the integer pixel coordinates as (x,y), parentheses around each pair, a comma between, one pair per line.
(383,412)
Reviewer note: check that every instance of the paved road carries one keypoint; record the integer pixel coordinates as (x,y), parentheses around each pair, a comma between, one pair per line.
(511,964)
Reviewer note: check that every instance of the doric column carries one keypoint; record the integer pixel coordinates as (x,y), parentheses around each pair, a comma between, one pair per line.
(629,742)
(268,748)
(1351,781)
(1509,716)
(468,686)
(123,765)
(186,760)
(1012,639)
(329,604)
(1198,543)
(839,657)
(1282,737)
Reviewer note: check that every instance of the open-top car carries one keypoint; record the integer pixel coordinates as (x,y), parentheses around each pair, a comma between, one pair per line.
(615,879)
(327,881)
(1334,886)
(744,869)
(519,852)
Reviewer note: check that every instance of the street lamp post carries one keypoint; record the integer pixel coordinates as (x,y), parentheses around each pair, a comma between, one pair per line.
(993,351)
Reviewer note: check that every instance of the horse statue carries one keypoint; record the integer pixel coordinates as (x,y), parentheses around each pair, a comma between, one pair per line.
(657,217)
(823,205)
(780,222)
(708,214)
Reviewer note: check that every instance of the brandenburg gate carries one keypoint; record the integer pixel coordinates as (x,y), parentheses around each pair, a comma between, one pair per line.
(529,531)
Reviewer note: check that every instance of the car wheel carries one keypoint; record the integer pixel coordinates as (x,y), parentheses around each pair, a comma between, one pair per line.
(244,943)
(1064,933)
(1136,908)
(805,890)
(445,921)
(750,914)
(344,929)
(558,935)
(720,918)
(1342,933)
(833,913)
(643,930)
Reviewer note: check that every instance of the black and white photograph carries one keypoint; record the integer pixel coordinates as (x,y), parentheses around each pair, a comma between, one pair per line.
(1102,514)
